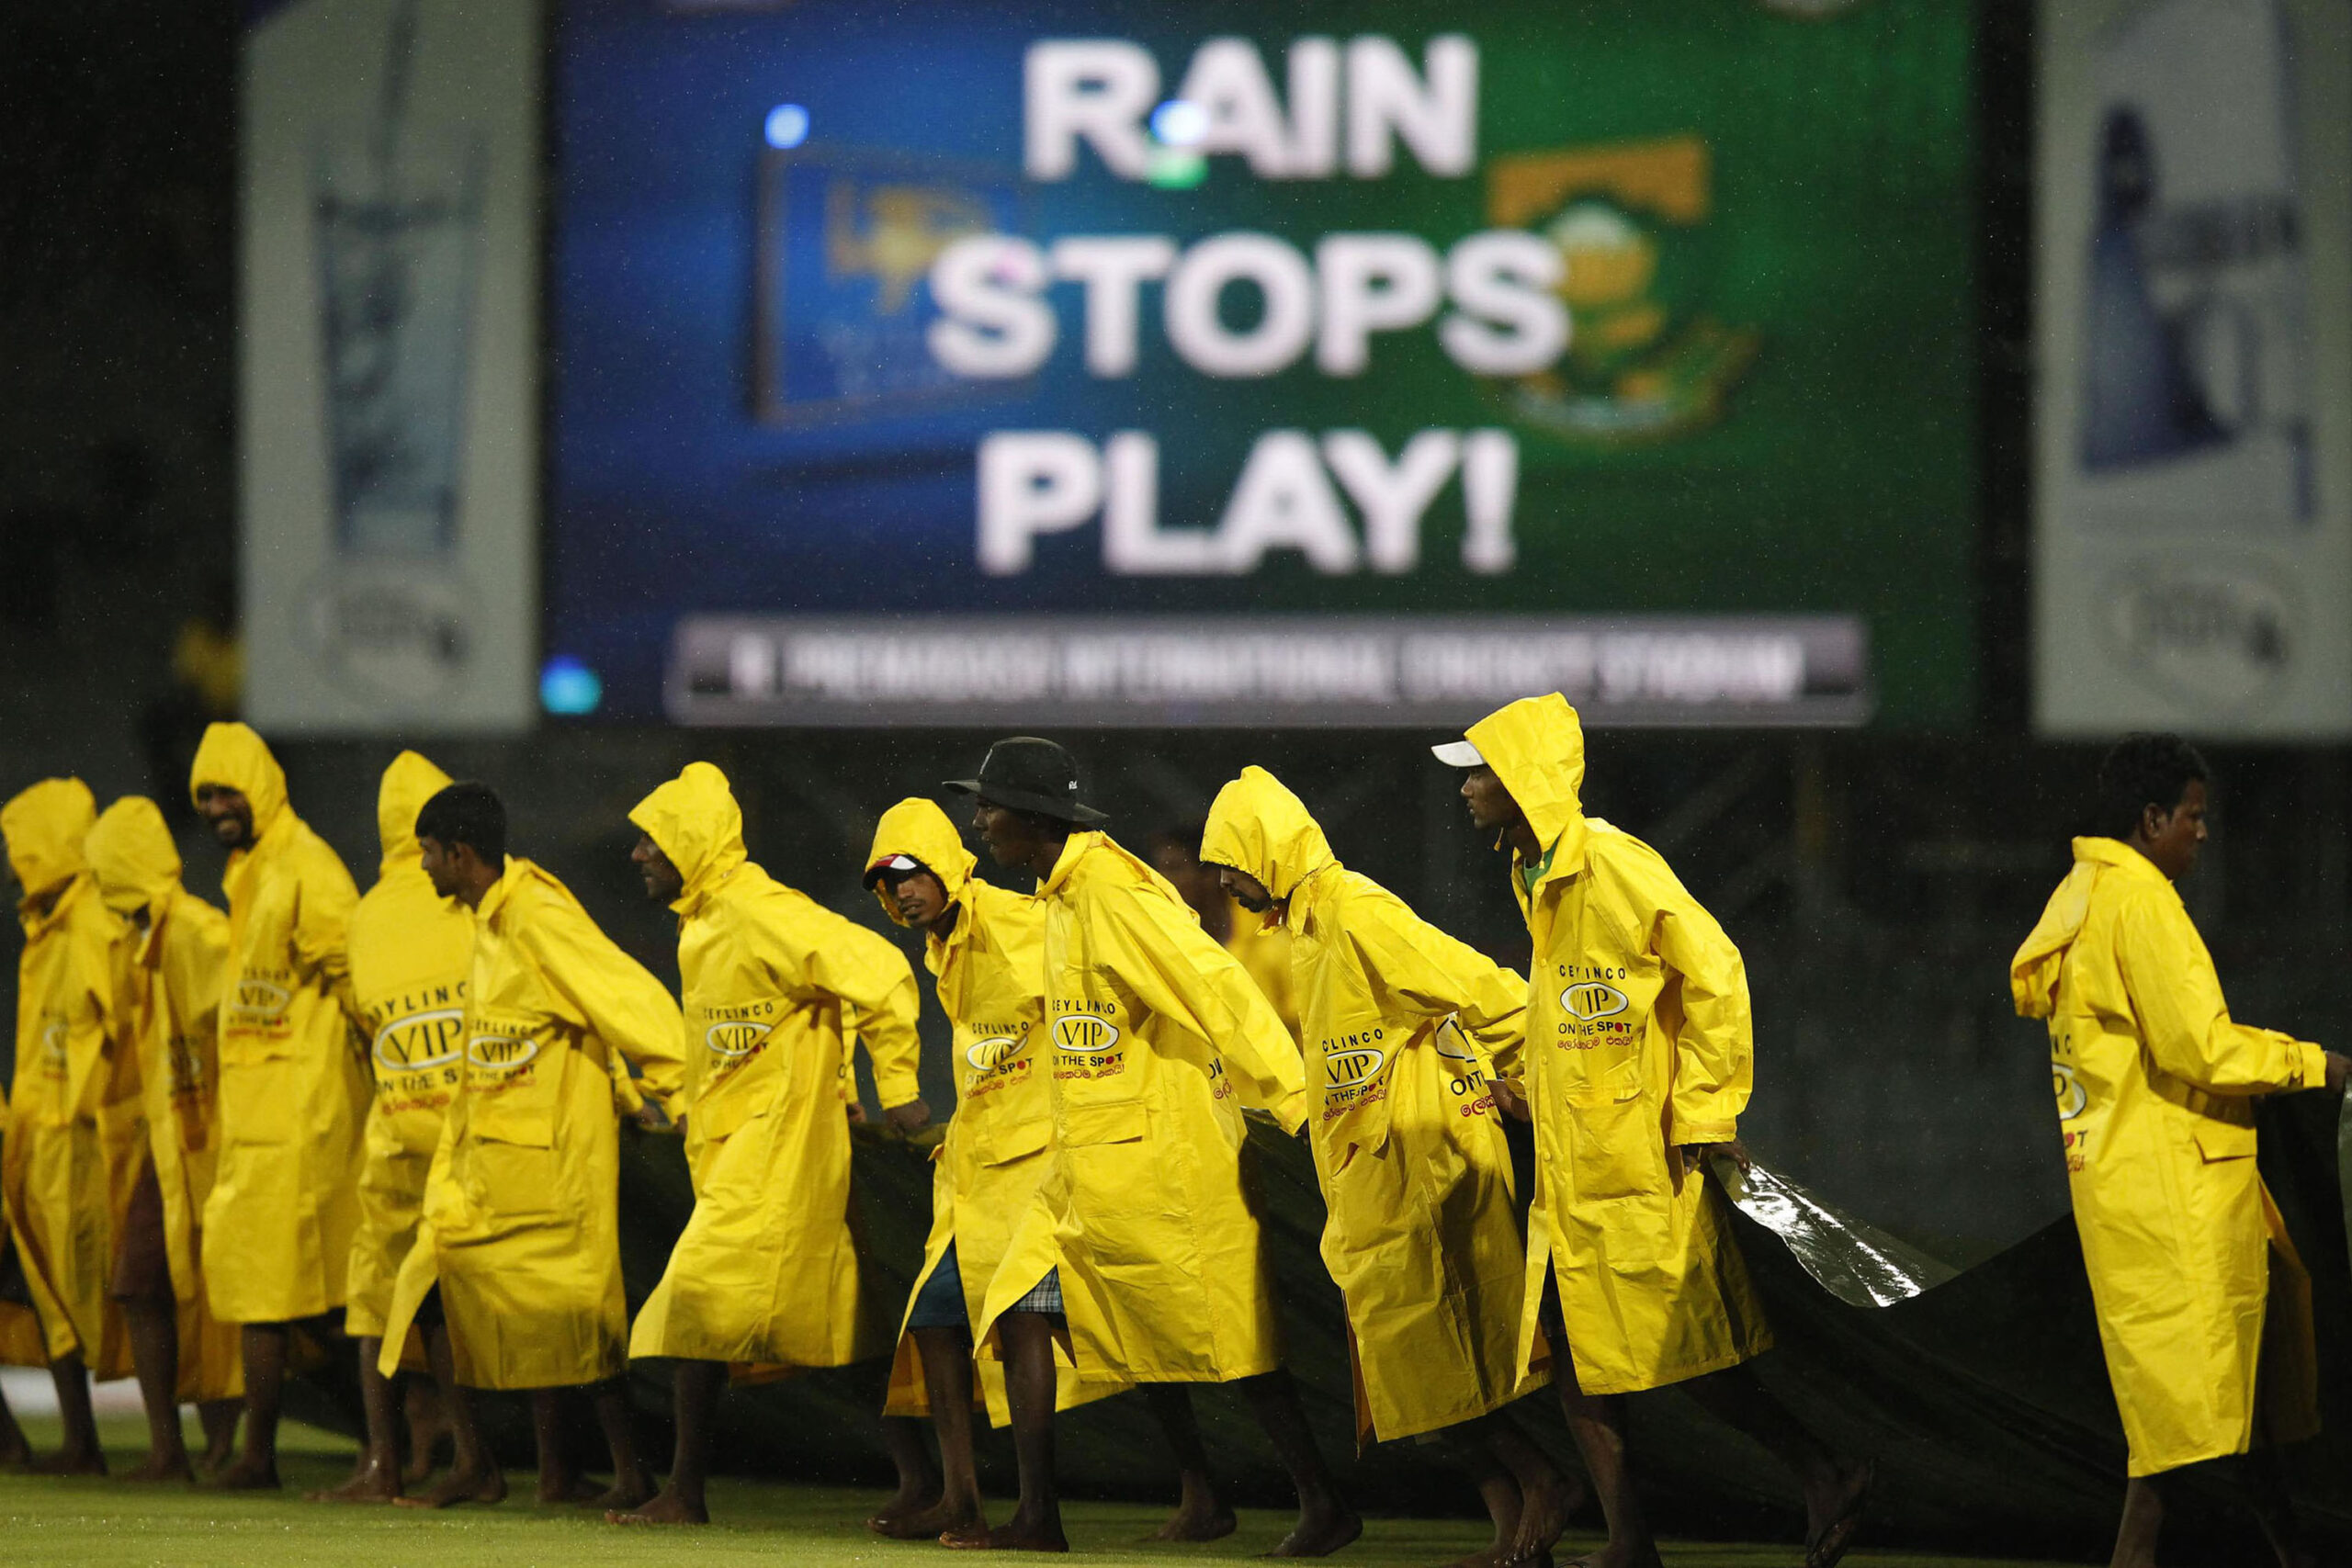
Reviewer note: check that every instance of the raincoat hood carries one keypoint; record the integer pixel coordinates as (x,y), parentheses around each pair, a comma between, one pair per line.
(45,825)
(234,755)
(1257,825)
(1536,746)
(695,821)
(920,830)
(133,855)
(409,783)
(2033,973)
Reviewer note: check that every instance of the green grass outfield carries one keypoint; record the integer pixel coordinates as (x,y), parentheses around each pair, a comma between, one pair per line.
(103,1524)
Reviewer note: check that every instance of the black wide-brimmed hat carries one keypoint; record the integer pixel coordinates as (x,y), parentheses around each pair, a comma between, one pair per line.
(1030,774)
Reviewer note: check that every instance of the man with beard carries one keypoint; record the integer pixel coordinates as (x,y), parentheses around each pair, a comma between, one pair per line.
(285,1194)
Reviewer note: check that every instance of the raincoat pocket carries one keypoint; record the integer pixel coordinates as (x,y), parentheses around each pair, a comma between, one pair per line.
(1615,1149)
(256,1107)
(1089,1126)
(2223,1140)
(1002,1145)
(515,1182)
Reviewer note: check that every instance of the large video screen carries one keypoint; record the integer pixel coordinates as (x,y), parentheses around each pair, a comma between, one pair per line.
(935,363)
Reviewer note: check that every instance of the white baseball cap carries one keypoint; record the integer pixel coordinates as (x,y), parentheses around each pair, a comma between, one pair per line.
(1458,755)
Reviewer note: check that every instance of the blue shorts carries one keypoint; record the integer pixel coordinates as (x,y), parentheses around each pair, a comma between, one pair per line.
(940,1303)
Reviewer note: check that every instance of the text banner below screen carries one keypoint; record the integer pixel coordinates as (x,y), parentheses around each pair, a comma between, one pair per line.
(1173,365)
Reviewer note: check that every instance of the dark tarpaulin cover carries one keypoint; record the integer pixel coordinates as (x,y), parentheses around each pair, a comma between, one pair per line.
(1983,1397)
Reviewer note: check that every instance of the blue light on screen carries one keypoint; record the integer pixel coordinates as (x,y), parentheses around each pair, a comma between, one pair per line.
(569,687)
(787,125)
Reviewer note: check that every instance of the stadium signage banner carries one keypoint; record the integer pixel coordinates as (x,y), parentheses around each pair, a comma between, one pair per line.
(388,365)
(897,313)
(2193,546)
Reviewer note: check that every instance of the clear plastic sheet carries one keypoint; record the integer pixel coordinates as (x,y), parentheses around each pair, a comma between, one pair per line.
(1858,1264)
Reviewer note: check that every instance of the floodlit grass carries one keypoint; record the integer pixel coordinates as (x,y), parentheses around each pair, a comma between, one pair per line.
(100,1524)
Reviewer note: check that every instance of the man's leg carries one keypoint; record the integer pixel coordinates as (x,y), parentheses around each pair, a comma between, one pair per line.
(1497,1490)
(1546,1498)
(472,1477)
(2142,1522)
(2263,1479)
(142,1289)
(947,1372)
(1027,1341)
(1201,1515)
(1835,1490)
(78,1453)
(218,1418)
(1325,1522)
(694,1394)
(633,1484)
(559,1478)
(154,1330)
(375,1474)
(1598,1424)
(14,1450)
(428,1426)
(265,1349)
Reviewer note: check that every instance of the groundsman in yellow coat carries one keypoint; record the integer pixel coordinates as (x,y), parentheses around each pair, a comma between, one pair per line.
(293,1089)
(1640,1058)
(776,987)
(411,951)
(520,1245)
(1401,1026)
(173,962)
(1144,1233)
(75,1119)
(2204,1308)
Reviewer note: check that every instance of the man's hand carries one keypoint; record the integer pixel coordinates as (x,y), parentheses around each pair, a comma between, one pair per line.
(2339,1071)
(648,1116)
(911,1117)
(857,1112)
(1695,1156)
(1509,1101)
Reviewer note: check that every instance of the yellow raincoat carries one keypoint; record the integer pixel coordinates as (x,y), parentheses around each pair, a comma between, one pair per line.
(2155,1086)
(990,973)
(1265,952)
(293,1090)
(22,1343)
(169,1007)
(1422,1239)
(77,1130)
(1639,1039)
(1158,1039)
(411,952)
(775,984)
(522,1224)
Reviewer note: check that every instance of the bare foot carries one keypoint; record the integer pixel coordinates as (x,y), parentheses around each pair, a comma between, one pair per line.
(246,1475)
(893,1516)
(559,1489)
(623,1496)
(1209,1521)
(218,1459)
(486,1484)
(666,1509)
(1614,1556)
(1015,1534)
(373,1480)
(15,1452)
(929,1524)
(163,1467)
(69,1461)
(1321,1531)
(1834,1512)
(1544,1513)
